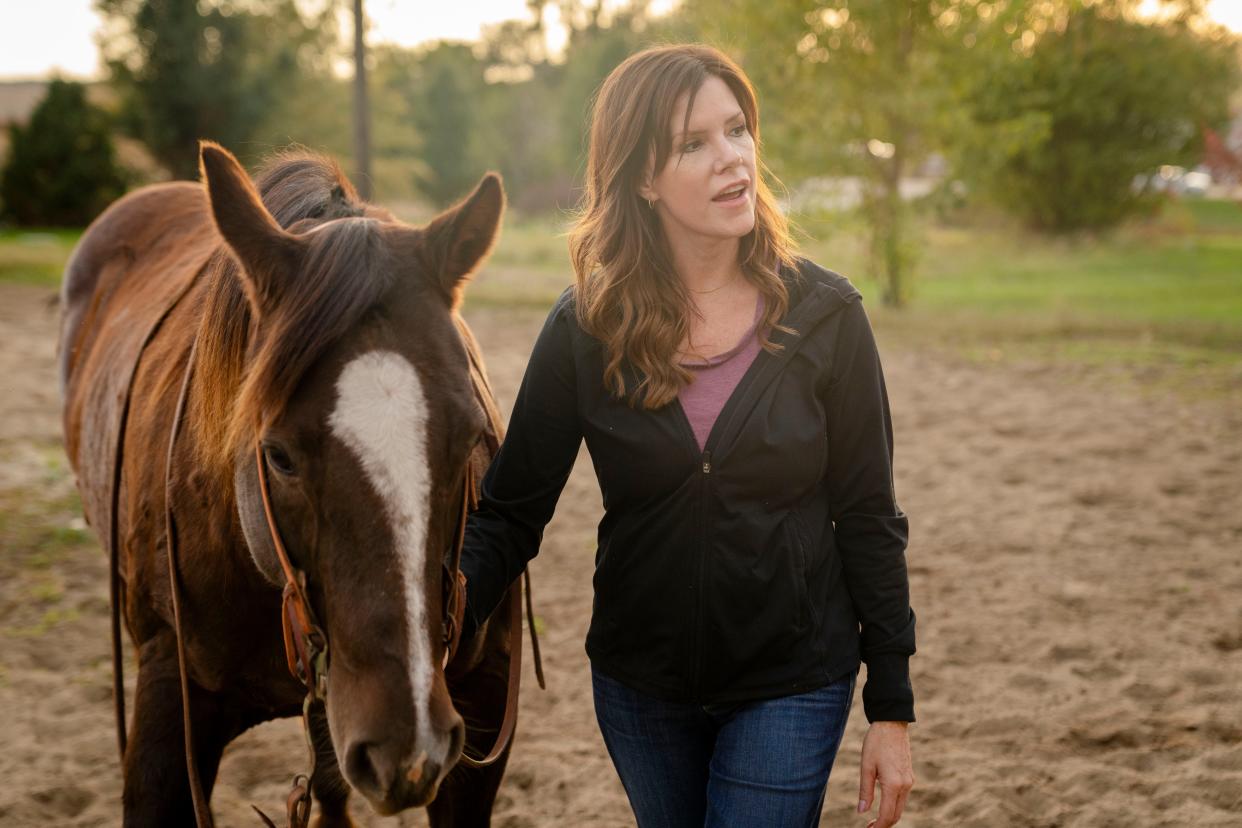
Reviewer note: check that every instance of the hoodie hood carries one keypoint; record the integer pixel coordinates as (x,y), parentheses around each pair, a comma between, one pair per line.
(815,293)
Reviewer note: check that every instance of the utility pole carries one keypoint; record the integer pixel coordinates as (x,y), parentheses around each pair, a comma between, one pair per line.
(362,109)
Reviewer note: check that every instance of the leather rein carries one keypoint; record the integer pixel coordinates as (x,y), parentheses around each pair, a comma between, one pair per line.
(306,644)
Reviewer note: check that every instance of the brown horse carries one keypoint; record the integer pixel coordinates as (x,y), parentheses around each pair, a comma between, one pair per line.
(295,318)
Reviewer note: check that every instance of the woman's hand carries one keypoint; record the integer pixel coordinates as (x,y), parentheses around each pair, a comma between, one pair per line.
(886,758)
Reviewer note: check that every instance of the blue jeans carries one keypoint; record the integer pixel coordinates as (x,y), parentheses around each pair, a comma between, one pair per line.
(744,765)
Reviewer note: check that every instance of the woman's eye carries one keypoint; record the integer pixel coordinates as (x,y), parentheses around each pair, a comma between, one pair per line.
(279,461)
(691,147)
(739,130)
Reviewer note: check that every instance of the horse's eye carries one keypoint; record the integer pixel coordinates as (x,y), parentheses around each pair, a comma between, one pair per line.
(278,461)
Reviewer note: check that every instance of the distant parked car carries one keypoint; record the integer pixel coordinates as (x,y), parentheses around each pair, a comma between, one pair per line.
(1195,183)
(1175,180)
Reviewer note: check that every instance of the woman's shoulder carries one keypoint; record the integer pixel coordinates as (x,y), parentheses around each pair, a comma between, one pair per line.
(806,273)
(562,320)
(564,311)
(564,303)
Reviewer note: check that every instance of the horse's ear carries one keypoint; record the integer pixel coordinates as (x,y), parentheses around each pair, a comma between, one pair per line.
(268,255)
(456,241)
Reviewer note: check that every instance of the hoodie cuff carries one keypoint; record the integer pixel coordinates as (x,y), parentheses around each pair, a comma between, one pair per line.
(887,695)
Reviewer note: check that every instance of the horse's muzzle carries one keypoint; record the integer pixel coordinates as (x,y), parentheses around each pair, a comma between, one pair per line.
(393,782)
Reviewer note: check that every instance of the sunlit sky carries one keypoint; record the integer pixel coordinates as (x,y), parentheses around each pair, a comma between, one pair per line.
(42,37)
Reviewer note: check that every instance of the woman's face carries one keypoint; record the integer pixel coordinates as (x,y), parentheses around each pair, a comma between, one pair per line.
(706,190)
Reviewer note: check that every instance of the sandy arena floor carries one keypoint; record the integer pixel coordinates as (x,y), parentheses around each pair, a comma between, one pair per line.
(1076,567)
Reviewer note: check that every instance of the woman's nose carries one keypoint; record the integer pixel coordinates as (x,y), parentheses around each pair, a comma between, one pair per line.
(727,157)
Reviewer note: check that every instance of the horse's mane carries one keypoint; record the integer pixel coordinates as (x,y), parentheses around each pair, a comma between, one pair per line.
(243,377)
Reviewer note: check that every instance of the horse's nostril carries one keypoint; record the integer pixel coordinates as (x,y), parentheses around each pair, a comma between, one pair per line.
(358,768)
(368,768)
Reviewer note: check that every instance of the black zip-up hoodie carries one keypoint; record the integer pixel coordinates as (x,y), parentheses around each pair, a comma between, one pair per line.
(740,572)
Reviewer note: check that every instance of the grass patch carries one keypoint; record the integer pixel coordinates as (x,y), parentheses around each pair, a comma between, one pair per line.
(35,257)
(47,590)
(48,621)
(42,537)
(1209,215)
(529,267)
(534,242)
(1187,290)
(1163,288)
(38,534)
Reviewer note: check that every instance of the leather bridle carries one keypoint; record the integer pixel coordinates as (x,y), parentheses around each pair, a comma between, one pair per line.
(306,644)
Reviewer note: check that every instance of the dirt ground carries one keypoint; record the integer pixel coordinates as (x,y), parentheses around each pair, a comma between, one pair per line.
(1076,568)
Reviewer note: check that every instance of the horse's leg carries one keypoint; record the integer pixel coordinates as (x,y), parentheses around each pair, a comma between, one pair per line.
(330,789)
(157,788)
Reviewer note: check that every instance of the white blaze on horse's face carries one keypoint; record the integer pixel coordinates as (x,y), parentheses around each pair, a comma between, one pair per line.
(381,416)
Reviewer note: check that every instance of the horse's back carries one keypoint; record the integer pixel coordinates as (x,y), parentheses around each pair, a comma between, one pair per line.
(131,266)
(117,246)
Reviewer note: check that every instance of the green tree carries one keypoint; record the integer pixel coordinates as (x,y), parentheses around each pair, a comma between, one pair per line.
(544,101)
(867,89)
(524,138)
(191,69)
(439,90)
(594,49)
(62,168)
(1117,97)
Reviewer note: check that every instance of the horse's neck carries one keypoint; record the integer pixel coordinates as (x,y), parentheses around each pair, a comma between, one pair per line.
(203,472)
(478,376)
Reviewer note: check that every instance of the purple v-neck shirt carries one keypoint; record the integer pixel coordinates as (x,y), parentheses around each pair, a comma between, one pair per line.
(715,378)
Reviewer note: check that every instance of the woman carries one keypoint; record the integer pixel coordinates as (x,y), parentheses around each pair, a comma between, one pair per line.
(733,404)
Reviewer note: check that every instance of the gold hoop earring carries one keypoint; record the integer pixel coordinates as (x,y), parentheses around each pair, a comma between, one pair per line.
(651,204)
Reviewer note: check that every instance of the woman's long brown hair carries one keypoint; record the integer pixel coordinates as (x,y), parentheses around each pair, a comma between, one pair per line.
(628,294)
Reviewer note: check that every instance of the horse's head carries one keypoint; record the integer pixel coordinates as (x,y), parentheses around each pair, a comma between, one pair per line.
(357,391)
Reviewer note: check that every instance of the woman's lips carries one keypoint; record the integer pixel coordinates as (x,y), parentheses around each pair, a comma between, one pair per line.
(738,198)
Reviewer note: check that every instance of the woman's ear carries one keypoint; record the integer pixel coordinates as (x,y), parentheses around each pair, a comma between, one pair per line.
(646,193)
(645,181)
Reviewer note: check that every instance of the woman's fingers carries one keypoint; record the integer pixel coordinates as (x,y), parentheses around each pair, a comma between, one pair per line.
(893,796)
(901,802)
(889,812)
(866,784)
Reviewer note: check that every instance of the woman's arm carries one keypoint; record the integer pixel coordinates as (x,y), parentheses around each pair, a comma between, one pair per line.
(519,492)
(871,530)
(871,533)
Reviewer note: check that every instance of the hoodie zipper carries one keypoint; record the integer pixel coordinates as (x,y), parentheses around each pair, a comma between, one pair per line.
(696,663)
(801,322)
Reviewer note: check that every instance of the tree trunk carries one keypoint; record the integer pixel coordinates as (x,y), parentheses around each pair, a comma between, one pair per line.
(362,108)
(894,261)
